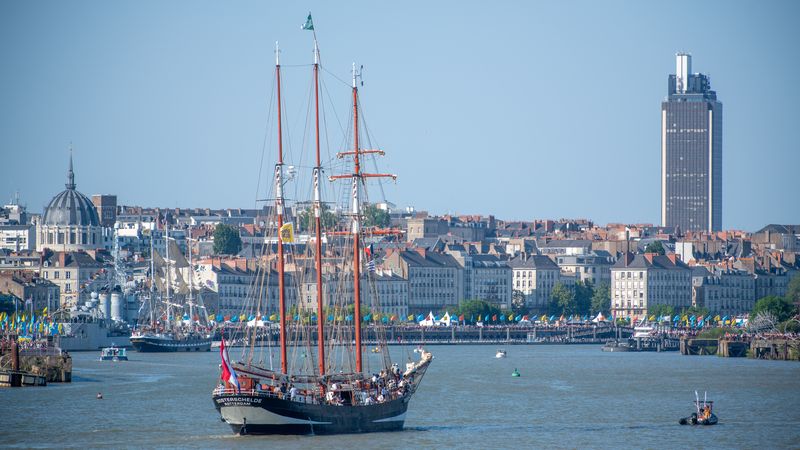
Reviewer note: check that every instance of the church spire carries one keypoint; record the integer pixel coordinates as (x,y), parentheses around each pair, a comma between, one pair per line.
(70,174)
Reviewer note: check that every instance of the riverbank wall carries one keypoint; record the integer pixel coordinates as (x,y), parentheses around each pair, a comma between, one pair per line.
(759,348)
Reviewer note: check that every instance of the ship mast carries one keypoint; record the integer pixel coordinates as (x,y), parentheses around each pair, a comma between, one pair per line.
(152,278)
(190,301)
(279,211)
(166,261)
(317,221)
(356,210)
(358,178)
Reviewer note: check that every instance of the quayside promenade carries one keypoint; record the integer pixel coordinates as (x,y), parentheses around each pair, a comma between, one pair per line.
(465,334)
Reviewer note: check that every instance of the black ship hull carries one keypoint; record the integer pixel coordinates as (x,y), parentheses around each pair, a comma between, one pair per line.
(267,414)
(162,344)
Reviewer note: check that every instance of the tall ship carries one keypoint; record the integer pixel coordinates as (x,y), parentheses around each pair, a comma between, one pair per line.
(324,384)
(170,323)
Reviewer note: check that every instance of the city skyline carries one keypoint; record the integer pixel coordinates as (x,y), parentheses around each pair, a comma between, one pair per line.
(538,114)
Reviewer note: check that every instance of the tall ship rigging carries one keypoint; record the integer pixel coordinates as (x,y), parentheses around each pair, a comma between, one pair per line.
(164,325)
(323,384)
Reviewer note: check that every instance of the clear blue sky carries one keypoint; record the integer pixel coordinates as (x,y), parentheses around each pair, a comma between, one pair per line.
(519,109)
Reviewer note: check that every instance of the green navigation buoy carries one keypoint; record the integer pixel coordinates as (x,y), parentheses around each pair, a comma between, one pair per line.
(515,373)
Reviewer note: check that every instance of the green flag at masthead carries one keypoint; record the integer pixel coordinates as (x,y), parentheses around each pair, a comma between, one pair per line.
(309,25)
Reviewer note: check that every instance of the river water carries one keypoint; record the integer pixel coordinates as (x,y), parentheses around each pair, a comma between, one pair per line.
(569,396)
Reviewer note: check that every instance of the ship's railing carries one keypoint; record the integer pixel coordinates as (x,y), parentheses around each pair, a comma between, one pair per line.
(309,398)
(224,390)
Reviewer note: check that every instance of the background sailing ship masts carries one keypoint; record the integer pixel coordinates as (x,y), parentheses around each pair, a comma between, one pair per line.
(151,298)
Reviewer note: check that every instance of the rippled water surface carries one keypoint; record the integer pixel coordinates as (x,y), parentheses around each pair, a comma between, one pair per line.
(567,397)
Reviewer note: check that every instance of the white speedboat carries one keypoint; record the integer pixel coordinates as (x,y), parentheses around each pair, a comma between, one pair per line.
(500,354)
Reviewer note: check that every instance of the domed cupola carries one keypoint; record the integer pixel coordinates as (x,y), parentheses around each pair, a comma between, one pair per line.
(70,221)
(70,207)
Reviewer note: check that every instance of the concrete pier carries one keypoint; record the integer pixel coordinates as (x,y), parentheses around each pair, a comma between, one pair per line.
(733,349)
(759,348)
(55,367)
(693,346)
(778,349)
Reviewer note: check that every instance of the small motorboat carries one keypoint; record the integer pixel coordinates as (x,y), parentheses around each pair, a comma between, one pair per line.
(617,346)
(704,414)
(113,354)
(500,354)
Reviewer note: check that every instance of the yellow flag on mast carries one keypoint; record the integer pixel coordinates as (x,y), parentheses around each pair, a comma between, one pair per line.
(287,233)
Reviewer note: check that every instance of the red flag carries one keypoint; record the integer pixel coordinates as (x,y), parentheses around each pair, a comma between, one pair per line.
(228,374)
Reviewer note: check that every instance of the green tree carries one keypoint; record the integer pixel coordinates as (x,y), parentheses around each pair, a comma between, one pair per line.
(475,308)
(584,291)
(655,247)
(716,333)
(518,302)
(350,309)
(305,219)
(696,311)
(601,300)
(375,217)
(562,300)
(661,309)
(227,240)
(779,307)
(793,291)
(789,326)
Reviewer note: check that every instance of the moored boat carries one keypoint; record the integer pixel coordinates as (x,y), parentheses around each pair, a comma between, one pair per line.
(643,331)
(168,326)
(615,345)
(500,354)
(149,342)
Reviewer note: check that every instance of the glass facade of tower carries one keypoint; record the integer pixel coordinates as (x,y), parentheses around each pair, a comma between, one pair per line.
(691,155)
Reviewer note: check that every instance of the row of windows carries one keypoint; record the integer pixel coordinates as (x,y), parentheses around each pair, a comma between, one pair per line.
(431,295)
(654,276)
(57,238)
(440,284)
(619,275)
(686,130)
(57,275)
(629,304)
(725,293)
(546,274)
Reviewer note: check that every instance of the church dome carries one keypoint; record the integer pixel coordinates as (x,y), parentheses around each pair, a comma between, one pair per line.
(70,207)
